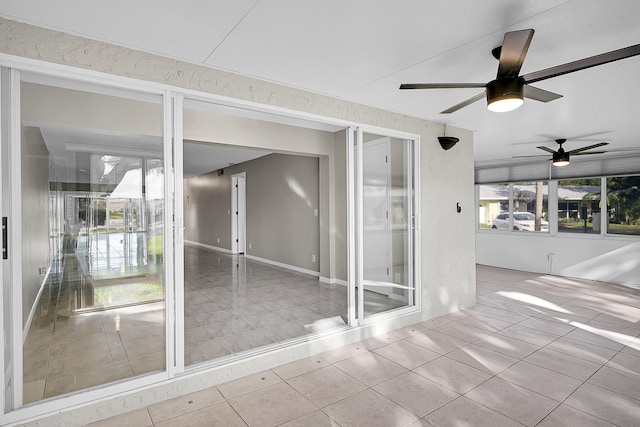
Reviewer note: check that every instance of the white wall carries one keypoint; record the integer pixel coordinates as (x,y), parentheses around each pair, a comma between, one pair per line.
(609,259)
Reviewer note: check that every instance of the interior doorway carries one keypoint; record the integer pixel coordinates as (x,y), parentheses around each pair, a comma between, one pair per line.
(239,213)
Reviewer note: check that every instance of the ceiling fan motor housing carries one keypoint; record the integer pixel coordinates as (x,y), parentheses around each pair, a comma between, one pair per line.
(501,89)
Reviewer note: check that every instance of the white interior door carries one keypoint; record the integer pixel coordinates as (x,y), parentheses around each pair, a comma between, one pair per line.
(239,214)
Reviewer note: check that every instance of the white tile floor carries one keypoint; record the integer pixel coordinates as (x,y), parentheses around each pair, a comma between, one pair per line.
(536,351)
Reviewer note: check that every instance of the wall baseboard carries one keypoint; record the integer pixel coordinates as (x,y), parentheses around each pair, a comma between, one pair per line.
(333,281)
(204,245)
(32,312)
(282,265)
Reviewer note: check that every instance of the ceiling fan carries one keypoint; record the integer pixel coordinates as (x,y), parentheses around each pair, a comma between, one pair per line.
(507,91)
(561,158)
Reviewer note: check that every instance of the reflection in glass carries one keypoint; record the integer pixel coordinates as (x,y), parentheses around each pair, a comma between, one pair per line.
(530,207)
(579,206)
(494,201)
(387,194)
(623,202)
(93,198)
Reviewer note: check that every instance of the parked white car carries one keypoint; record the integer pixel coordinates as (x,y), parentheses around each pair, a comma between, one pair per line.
(525,221)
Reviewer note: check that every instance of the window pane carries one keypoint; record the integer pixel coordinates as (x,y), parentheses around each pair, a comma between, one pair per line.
(92,189)
(579,206)
(530,206)
(387,194)
(258,231)
(623,201)
(494,199)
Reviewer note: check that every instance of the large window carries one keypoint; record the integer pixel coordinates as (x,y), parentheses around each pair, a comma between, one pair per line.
(582,208)
(579,206)
(493,201)
(623,201)
(517,207)
(530,204)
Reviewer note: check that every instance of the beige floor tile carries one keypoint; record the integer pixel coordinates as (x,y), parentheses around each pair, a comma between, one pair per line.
(148,363)
(415,393)
(507,345)
(540,380)
(582,350)
(599,338)
(436,322)
(481,358)
(551,326)
(314,419)
(370,369)
(184,404)
(342,353)
(466,412)
(379,341)
(138,418)
(438,342)
(249,384)
(299,367)
(487,323)
(463,332)
(513,401)
(621,382)
(532,336)
(218,415)
(505,315)
(421,423)
(566,416)
(452,374)
(563,363)
(626,362)
(604,404)
(369,408)
(407,354)
(271,406)
(33,391)
(325,386)
(408,331)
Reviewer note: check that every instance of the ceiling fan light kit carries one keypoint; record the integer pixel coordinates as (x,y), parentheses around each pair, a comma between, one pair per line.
(560,158)
(505,95)
(508,90)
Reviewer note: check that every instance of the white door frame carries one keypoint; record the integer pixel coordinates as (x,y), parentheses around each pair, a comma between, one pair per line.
(238,213)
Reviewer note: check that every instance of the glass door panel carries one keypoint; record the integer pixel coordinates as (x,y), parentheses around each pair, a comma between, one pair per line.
(387,224)
(92,211)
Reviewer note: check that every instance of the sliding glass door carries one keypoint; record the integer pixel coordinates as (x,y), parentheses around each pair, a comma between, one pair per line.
(86,230)
(385,190)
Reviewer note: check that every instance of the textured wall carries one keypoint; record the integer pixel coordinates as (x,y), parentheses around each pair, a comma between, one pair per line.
(447,238)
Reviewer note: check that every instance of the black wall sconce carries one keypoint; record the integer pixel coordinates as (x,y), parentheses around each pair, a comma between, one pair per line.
(447,142)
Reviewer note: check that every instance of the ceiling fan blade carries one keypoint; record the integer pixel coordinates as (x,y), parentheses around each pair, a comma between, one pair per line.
(464,103)
(442,85)
(522,157)
(581,64)
(588,147)
(538,94)
(582,153)
(547,149)
(512,54)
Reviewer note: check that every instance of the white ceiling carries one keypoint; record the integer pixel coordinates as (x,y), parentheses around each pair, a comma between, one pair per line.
(361,50)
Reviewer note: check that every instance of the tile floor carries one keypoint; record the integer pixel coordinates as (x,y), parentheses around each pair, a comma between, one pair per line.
(536,350)
(232,304)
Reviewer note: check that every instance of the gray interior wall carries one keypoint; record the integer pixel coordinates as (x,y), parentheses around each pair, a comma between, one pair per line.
(35,215)
(207,209)
(282,194)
